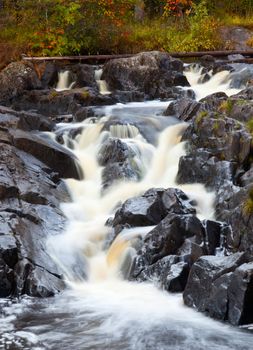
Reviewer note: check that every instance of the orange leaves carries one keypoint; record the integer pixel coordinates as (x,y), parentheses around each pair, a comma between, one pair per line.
(177,7)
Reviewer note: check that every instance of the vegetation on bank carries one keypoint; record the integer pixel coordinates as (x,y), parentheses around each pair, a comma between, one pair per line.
(64,27)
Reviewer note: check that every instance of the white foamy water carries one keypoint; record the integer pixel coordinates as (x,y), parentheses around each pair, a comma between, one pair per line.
(102,85)
(217,83)
(64,81)
(91,208)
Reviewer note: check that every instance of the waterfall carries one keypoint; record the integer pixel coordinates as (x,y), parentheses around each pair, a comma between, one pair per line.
(101,310)
(103,88)
(90,209)
(217,82)
(64,81)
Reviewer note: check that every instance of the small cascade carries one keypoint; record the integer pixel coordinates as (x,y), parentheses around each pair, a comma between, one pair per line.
(220,81)
(64,81)
(124,131)
(103,88)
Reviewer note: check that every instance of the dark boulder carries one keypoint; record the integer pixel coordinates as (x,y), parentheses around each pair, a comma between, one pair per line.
(152,207)
(166,239)
(112,151)
(238,109)
(223,137)
(52,102)
(9,118)
(203,167)
(15,79)
(49,75)
(168,273)
(184,109)
(240,295)
(36,281)
(83,75)
(83,113)
(245,94)
(115,172)
(222,288)
(49,152)
(153,73)
(30,195)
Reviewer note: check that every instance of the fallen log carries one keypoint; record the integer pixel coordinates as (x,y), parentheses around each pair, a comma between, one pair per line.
(102,58)
(212,53)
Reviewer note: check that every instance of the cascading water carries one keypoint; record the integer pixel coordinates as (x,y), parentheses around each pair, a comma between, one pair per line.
(64,81)
(103,88)
(92,209)
(101,309)
(218,82)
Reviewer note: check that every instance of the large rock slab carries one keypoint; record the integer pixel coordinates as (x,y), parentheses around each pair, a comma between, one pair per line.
(222,288)
(152,207)
(51,153)
(153,73)
(51,102)
(15,79)
(30,197)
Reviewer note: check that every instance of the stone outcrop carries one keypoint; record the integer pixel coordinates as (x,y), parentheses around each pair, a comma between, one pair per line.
(152,73)
(31,191)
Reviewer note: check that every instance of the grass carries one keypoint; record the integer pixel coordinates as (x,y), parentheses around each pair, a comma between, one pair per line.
(200,117)
(248,204)
(237,20)
(226,106)
(249,126)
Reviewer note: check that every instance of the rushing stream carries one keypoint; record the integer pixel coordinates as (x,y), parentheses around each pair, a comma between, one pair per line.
(101,310)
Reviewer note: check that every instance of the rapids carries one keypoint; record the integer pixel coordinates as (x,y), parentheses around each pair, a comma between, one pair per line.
(100,310)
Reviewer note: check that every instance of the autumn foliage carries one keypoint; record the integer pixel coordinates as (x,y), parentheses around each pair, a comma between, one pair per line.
(63,27)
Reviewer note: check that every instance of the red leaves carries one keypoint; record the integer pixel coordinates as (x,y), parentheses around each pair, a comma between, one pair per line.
(177,7)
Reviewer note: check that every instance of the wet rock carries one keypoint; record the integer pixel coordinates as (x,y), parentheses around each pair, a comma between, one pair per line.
(166,239)
(10,118)
(190,251)
(208,283)
(49,152)
(113,150)
(239,79)
(240,295)
(168,273)
(83,75)
(84,113)
(7,280)
(38,281)
(184,109)
(49,75)
(246,94)
(8,250)
(202,167)
(223,137)
(52,102)
(236,211)
(15,79)
(212,102)
(247,178)
(114,172)
(153,73)
(152,207)
(29,213)
(239,109)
